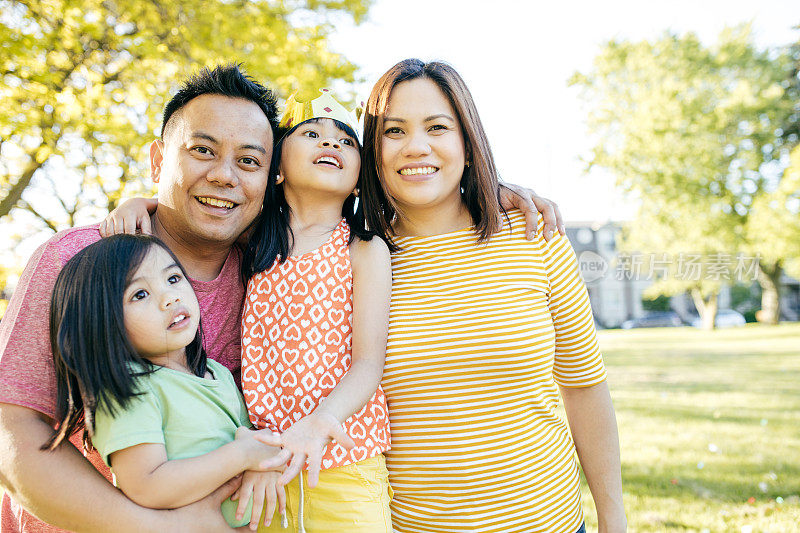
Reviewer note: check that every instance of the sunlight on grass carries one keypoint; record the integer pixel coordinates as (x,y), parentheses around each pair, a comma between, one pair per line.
(709,427)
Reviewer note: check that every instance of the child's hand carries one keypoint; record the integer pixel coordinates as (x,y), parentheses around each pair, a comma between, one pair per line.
(262,486)
(306,439)
(129,216)
(261,446)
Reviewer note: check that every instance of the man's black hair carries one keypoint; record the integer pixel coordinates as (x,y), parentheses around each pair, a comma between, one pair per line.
(225,80)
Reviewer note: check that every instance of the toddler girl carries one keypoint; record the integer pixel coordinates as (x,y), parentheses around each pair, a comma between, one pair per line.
(130,367)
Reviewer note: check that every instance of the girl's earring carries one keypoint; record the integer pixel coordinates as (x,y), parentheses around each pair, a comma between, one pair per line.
(466,164)
(356,192)
(278,179)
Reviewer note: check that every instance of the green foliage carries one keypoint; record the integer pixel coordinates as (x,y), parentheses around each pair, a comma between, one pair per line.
(745,298)
(4,274)
(773,227)
(791,129)
(696,134)
(659,303)
(84,83)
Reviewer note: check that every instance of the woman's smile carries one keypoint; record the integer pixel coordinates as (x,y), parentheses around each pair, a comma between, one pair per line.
(422,170)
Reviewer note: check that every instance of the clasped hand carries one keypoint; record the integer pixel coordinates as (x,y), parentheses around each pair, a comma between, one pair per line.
(261,483)
(305,441)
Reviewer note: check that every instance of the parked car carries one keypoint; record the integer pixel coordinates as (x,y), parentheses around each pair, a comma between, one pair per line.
(654,319)
(726,318)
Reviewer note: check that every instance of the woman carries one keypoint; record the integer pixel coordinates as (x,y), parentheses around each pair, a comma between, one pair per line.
(485,329)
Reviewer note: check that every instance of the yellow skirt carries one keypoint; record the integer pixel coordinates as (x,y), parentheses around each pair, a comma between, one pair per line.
(353,498)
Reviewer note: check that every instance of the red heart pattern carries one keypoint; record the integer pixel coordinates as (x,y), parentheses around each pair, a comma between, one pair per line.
(299,314)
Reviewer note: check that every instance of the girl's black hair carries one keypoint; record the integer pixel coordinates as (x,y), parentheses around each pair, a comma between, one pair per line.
(91,350)
(272,237)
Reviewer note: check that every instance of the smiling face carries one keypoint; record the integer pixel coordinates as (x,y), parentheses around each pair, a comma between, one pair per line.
(422,148)
(160,309)
(318,156)
(212,169)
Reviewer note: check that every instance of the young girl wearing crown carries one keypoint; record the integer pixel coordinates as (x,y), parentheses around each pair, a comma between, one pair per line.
(314,331)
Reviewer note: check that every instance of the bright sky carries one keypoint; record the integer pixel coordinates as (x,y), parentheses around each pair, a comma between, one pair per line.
(516,57)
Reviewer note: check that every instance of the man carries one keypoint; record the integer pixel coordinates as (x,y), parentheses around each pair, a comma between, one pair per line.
(211,168)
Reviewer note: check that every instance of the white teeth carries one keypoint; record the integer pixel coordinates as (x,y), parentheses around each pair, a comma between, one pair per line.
(215,202)
(328,159)
(418,170)
(178,319)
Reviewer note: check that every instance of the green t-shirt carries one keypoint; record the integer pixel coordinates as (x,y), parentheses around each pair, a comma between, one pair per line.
(189,415)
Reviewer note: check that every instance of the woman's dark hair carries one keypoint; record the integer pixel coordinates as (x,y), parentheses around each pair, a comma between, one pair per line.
(272,238)
(479,183)
(91,350)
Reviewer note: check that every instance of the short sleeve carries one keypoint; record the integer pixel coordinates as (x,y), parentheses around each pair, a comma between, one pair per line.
(578,362)
(140,422)
(27,377)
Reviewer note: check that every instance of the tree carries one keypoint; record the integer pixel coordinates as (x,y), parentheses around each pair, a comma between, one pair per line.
(85,81)
(695,133)
(774,230)
(791,130)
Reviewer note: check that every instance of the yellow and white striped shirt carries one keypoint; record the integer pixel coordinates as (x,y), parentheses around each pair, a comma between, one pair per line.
(480,336)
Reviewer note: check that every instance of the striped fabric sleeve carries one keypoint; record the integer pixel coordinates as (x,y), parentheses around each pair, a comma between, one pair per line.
(578,362)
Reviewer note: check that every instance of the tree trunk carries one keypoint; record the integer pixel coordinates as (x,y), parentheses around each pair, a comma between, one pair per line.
(769,277)
(15,192)
(707,307)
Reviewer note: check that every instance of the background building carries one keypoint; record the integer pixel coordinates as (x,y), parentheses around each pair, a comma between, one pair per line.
(617,282)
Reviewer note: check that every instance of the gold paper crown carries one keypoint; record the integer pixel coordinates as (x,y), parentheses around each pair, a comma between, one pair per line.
(324,106)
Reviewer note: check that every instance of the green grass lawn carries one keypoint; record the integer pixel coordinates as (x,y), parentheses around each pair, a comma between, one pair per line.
(709,427)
